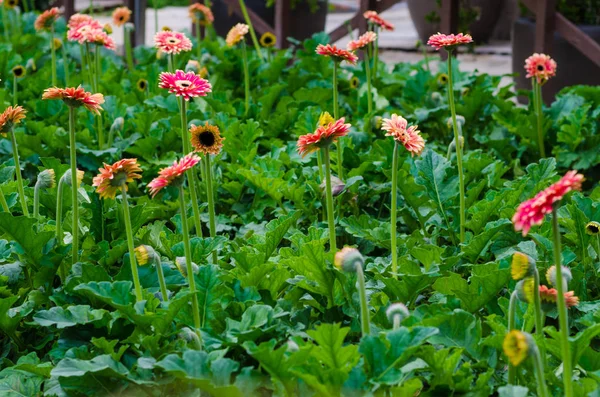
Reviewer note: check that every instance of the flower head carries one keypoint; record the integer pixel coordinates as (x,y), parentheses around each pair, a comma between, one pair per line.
(375,18)
(206,139)
(142,85)
(592,228)
(532,211)
(439,40)
(192,66)
(337,54)
(145,254)
(172,175)
(46,19)
(541,67)
(517,346)
(525,288)
(112,177)
(107,28)
(181,266)
(550,295)
(325,118)
(521,266)
(46,179)
(67,177)
(121,16)
(75,97)
(268,40)
(201,14)
(397,309)
(347,258)
(11,116)
(397,127)
(337,186)
(79,25)
(97,37)
(12,3)
(322,137)
(565,274)
(443,79)
(354,82)
(19,71)
(57,43)
(236,34)
(171,42)
(362,41)
(187,85)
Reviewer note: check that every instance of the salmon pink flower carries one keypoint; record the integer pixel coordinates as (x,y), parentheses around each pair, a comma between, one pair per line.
(440,40)
(362,41)
(75,97)
(322,137)
(550,295)
(375,18)
(532,211)
(187,85)
(540,66)
(173,175)
(112,177)
(10,117)
(97,37)
(337,54)
(397,127)
(121,16)
(206,139)
(46,19)
(201,14)
(79,24)
(171,42)
(236,34)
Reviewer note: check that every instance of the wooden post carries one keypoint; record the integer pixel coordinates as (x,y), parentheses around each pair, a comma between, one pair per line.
(449,21)
(69,8)
(138,10)
(282,22)
(544,25)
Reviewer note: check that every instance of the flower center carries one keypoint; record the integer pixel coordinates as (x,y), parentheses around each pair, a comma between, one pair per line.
(173,40)
(207,138)
(183,83)
(540,68)
(593,228)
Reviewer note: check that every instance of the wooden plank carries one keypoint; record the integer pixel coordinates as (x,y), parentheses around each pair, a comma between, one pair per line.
(342,30)
(69,8)
(544,26)
(257,22)
(365,5)
(449,20)
(282,22)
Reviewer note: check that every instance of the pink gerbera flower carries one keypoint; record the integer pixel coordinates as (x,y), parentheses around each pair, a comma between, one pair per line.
(440,40)
(532,212)
(76,97)
(323,137)
(236,34)
(79,24)
(97,37)
(112,177)
(374,17)
(362,41)
(173,175)
(46,19)
(121,16)
(540,66)
(171,42)
(337,54)
(188,85)
(397,127)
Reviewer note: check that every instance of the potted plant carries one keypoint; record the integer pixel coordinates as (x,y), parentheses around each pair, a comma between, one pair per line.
(573,66)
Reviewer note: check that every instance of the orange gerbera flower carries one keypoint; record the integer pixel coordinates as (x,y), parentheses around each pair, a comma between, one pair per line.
(337,54)
(10,117)
(76,97)
(121,16)
(46,19)
(375,18)
(236,34)
(322,137)
(550,295)
(112,177)
(206,139)
(201,14)
(362,41)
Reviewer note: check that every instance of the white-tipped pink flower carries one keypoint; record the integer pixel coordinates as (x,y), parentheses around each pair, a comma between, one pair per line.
(362,41)
(172,175)
(171,42)
(187,85)
(397,127)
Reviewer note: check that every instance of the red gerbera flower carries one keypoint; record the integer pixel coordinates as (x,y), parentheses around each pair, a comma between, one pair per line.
(440,40)
(112,177)
(46,19)
(362,41)
(550,295)
(76,97)
(172,42)
(337,54)
(397,127)
(322,137)
(188,85)
(540,66)
(374,17)
(172,175)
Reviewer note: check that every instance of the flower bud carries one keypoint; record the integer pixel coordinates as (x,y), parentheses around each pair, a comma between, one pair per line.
(192,66)
(442,79)
(460,120)
(145,254)
(129,27)
(522,266)
(187,334)
(292,346)
(19,71)
(67,177)
(117,125)
(30,65)
(181,266)
(566,276)
(592,228)
(57,43)
(377,122)
(518,346)
(354,82)
(107,28)
(437,98)
(166,29)
(452,145)
(337,186)
(348,258)
(524,289)
(325,118)
(46,179)
(397,310)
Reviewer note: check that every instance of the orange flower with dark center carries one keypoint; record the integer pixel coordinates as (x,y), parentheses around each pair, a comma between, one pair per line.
(10,117)
(76,97)
(121,16)
(112,177)
(206,139)
(46,19)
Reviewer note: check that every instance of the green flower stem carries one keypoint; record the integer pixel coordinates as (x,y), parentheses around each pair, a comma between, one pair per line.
(74,185)
(537,102)
(25,6)
(5,23)
(128,50)
(36,201)
(211,202)
(53,52)
(461,177)
(336,115)
(3,202)
(15,91)
(98,75)
(187,149)
(251,28)
(188,262)
(88,61)
(537,304)
(330,213)
(367,62)
(246,79)
(538,368)
(512,309)
(130,245)
(171,63)
(59,209)
(365,321)
(598,251)
(393,210)
(91,7)
(425,58)
(83,61)
(396,321)
(65,63)
(20,186)
(161,278)
(563,318)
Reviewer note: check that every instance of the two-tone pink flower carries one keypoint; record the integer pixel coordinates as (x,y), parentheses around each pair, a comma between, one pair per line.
(337,54)
(184,84)
(541,67)
(448,41)
(173,175)
(410,137)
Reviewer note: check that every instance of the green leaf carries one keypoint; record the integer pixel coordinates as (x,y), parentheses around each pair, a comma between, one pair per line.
(102,365)
(69,317)
(23,231)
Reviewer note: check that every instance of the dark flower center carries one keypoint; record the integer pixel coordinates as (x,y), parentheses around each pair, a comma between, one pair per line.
(593,229)
(268,39)
(172,40)
(142,85)
(18,72)
(207,138)
(540,68)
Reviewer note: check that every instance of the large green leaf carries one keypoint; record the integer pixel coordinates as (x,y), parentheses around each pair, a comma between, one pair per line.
(22,230)
(69,317)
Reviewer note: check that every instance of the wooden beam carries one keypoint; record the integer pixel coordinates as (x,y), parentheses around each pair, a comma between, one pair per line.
(138,10)
(342,30)
(69,8)
(257,22)
(449,16)
(544,25)
(282,22)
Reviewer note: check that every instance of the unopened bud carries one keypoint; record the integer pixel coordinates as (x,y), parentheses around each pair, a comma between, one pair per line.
(566,276)
(397,310)
(337,186)
(67,177)
(182,267)
(30,65)
(521,266)
(145,254)
(348,258)
(460,120)
(192,66)
(108,28)
(46,179)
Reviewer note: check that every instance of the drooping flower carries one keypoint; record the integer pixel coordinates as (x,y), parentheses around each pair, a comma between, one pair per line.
(67,177)
(206,139)
(201,14)
(374,17)
(524,289)
(397,309)
(144,254)
(540,66)
(532,211)
(46,179)
(362,41)
(516,347)
(268,40)
(347,258)
(97,37)
(11,116)
(566,275)
(76,97)
(397,127)
(171,42)
(236,34)
(46,19)
(521,266)
(337,54)
(550,295)
(592,228)
(121,16)
(172,175)
(337,186)
(440,40)
(112,177)
(187,85)
(322,137)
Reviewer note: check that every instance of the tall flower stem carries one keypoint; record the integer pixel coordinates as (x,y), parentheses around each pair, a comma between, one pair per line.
(15,90)
(90,67)
(538,368)
(97,75)
(188,263)
(3,202)
(336,116)
(376,53)
(5,23)
(397,321)
(512,309)
(365,322)
(128,51)
(74,185)
(53,52)
(191,175)
(461,177)
(367,62)
(537,305)
(329,195)
(20,186)
(537,102)
(161,278)
(130,245)
(36,201)
(251,28)
(65,63)
(393,209)
(211,202)
(171,63)
(155,6)
(59,210)
(563,319)
(246,79)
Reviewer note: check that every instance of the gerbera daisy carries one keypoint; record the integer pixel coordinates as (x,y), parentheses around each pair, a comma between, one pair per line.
(540,66)
(121,16)
(97,37)
(236,34)
(550,295)
(201,14)
(397,127)
(592,228)
(19,71)
(374,17)
(440,40)
(12,3)
(322,137)
(112,177)
(566,275)
(268,40)
(516,347)
(10,117)
(76,97)
(521,266)
(142,85)
(347,258)
(337,54)
(532,211)
(172,42)
(206,139)
(362,41)
(173,175)
(46,19)
(79,24)
(187,85)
